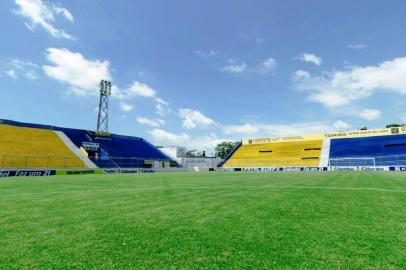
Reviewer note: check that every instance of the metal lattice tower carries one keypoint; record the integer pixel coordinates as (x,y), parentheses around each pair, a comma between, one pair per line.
(103,116)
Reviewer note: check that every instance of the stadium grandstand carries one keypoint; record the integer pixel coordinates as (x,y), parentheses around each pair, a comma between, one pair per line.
(25,145)
(376,147)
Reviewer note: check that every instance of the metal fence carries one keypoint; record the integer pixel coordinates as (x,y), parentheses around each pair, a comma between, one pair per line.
(19,161)
(134,162)
(393,160)
(349,162)
(9,161)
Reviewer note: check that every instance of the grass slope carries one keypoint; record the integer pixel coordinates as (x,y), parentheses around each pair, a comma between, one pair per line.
(205,221)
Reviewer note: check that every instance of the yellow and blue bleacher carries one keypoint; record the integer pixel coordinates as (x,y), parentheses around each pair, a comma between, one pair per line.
(349,149)
(117,150)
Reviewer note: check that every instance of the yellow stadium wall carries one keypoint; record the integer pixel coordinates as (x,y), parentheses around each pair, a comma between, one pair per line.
(277,154)
(22,147)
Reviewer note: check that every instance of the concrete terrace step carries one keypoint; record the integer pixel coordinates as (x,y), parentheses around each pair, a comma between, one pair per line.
(75,149)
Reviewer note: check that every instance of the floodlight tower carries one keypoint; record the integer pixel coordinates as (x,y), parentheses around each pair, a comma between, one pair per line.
(103,116)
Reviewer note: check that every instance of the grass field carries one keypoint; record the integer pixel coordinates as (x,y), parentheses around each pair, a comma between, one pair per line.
(205,221)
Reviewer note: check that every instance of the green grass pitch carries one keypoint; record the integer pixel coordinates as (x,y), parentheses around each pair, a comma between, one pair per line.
(289,220)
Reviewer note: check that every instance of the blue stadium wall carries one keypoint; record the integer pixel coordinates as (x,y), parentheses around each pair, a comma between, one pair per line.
(119,150)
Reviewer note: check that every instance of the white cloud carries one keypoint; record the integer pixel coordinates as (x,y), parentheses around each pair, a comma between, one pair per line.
(167,138)
(310,58)
(340,88)
(140,89)
(126,107)
(241,129)
(162,109)
(268,65)
(127,93)
(205,54)
(341,125)
(22,64)
(207,142)
(261,129)
(150,122)
(20,68)
(30,75)
(300,75)
(330,99)
(12,74)
(81,74)
(59,9)
(116,92)
(370,114)
(161,101)
(39,13)
(193,118)
(358,46)
(202,143)
(234,66)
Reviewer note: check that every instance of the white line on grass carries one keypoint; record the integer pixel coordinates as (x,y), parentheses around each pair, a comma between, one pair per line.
(204,187)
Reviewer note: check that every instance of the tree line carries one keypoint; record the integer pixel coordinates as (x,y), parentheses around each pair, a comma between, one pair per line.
(222,150)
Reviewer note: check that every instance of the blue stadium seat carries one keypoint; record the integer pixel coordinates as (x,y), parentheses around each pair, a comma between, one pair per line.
(124,151)
(386,150)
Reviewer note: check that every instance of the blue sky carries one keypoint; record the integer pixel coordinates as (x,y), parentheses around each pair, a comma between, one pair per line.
(195,73)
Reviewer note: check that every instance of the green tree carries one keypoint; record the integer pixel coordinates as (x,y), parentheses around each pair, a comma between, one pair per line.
(193,153)
(224,149)
(395,125)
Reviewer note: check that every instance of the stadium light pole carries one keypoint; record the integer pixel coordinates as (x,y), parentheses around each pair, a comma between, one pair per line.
(103,115)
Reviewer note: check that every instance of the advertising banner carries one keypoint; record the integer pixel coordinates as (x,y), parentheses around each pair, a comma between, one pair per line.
(10,173)
(91,146)
(79,172)
(315,169)
(284,169)
(141,170)
(334,135)
(364,168)
(309,137)
(399,169)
